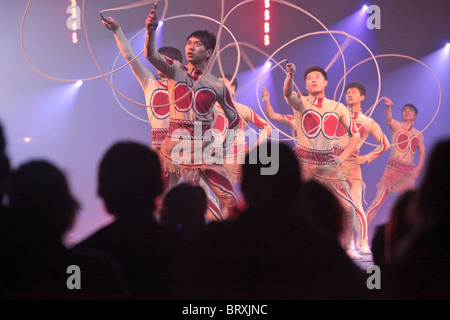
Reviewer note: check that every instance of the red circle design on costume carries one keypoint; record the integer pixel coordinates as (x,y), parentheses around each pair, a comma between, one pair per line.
(220,124)
(414,143)
(182,90)
(341,132)
(360,127)
(203,101)
(311,123)
(160,97)
(402,141)
(330,123)
(242,125)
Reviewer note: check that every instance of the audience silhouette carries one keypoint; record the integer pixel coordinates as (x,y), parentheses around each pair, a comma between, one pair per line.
(184,208)
(35,262)
(269,251)
(4,168)
(282,244)
(391,236)
(420,271)
(129,181)
(321,206)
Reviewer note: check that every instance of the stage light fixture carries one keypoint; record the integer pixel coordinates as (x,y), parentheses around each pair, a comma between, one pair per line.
(447,46)
(79,83)
(364,8)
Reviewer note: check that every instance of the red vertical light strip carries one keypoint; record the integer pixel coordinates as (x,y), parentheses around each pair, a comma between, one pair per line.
(266,22)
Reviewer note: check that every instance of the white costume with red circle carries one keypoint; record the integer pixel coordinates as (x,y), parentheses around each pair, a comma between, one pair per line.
(187,148)
(317,121)
(397,176)
(352,172)
(234,158)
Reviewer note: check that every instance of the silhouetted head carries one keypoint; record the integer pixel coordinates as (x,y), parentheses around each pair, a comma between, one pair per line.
(402,221)
(4,164)
(40,199)
(129,179)
(184,207)
(271,176)
(434,192)
(322,207)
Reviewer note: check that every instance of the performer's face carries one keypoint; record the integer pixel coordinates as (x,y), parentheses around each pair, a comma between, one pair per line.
(353,96)
(408,114)
(196,52)
(315,82)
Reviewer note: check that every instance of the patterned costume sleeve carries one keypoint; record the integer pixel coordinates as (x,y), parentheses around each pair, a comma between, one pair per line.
(295,101)
(346,120)
(382,140)
(141,73)
(229,109)
(250,116)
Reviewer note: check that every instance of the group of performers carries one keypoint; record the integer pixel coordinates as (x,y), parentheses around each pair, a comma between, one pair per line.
(195,109)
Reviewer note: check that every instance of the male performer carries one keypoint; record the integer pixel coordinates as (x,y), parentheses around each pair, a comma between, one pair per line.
(156,94)
(400,172)
(318,117)
(192,94)
(235,157)
(154,87)
(355,94)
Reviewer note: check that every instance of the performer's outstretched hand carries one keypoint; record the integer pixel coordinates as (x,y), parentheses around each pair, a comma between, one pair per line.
(290,68)
(110,23)
(152,20)
(265,94)
(387,102)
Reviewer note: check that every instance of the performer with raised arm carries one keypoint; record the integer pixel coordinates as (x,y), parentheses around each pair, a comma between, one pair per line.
(283,119)
(400,172)
(156,94)
(192,94)
(317,117)
(355,94)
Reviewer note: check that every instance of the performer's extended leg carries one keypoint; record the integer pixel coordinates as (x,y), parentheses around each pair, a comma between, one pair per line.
(349,219)
(380,197)
(214,212)
(222,188)
(360,219)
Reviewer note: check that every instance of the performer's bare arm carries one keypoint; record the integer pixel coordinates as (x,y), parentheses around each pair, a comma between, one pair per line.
(150,51)
(126,50)
(388,112)
(271,114)
(289,81)
(421,152)
(383,145)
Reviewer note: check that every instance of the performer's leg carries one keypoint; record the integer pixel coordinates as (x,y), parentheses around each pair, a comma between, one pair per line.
(360,216)
(344,197)
(222,188)
(213,210)
(380,197)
